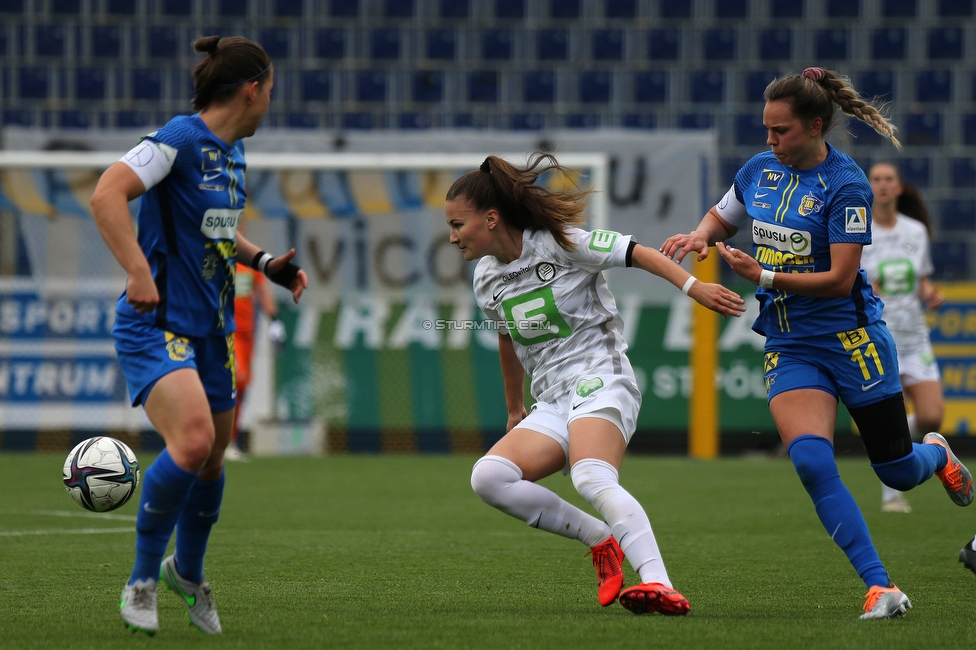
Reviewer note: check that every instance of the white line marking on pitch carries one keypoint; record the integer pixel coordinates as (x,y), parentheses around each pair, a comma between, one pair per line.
(68,513)
(76,531)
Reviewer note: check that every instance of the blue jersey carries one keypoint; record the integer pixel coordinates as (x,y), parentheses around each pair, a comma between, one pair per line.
(797,214)
(187,229)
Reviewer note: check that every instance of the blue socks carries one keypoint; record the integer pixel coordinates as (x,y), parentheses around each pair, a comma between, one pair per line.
(165,487)
(911,470)
(813,458)
(193,529)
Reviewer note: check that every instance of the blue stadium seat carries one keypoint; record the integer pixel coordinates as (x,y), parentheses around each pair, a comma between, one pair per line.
(608,45)
(552,44)
(719,44)
(147,84)
(539,87)
(469,121)
(457,9)
(566,9)
(640,121)
(831,45)
(359,121)
(888,43)
(483,86)
(595,86)
(951,260)
(131,119)
(275,41)
(728,168)
(756,82)
(74,119)
(749,130)
(510,9)
(663,44)
(650,87)
(776,44)
(371,86)
(34,83)
(955,8)
(843,8)
(302,120)
(969,129)
(344,8)
(286,8)
(732,9)
(441,44)
(18,117)
(963,172)
(60,7)
(106,41)
(958,214)
(90,83)
(583,121)
(49,40)
(384,44)
(877,83)
(898,8)
(330,43)
(496,45)
(621,8)
(707,86)
(163,42)
(696,121)
(316,85)
(786,8)
(232,8)
(933,86)
(428,86)
(945,43)
(527,122)
(398,8)
(413,121)
(862,135)
(3,43)
(916,171)
(923,129)
(675,8)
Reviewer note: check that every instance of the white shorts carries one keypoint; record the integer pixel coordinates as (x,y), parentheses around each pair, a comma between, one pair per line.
(918,365)
(609,397)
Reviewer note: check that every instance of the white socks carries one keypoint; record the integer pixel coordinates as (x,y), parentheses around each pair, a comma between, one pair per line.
(598,483)
(498,481)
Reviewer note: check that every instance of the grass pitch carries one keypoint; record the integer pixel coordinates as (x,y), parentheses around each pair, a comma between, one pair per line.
(397,552)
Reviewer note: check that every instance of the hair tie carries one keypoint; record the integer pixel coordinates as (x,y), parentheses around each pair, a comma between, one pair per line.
(485,167)
(238,83)
(817,74)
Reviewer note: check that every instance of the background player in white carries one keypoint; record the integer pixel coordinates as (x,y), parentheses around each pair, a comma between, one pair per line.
(540,278)
(898,263)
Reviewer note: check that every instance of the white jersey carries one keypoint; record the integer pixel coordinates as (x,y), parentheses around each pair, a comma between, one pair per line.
(557,308)
(897,259)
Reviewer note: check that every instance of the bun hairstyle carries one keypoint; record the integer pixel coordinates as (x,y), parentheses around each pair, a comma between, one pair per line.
(816,92)
(519,200)
(230,62)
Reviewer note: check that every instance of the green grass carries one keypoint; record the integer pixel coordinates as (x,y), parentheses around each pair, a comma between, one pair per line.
(397,552)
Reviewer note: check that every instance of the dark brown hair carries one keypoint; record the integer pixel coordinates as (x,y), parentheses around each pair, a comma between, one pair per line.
(522,203)
(230,62)
(815,92)
(910,201)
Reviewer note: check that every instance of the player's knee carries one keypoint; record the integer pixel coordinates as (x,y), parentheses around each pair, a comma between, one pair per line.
(195,441)
(813,458)
(591,476)
(491,475)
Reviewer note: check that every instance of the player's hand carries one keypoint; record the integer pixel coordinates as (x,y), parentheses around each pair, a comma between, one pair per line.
(296,286)
(742,263)
(141,292)
(515,417)
(681,245)
(935,298)
(717,298)
(276,332)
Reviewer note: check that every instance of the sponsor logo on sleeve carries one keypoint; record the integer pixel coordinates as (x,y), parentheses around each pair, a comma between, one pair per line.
(602,240)
(855,220)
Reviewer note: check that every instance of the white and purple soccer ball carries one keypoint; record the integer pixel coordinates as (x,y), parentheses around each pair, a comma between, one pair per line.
(101,474)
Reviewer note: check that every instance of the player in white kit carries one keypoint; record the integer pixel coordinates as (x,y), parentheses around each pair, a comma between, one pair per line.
(540,279)
(898,263)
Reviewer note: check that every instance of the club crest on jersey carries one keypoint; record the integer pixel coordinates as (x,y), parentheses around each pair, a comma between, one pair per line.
(545,271)
(810,204)
(770,179)
(179,347)
(855,220)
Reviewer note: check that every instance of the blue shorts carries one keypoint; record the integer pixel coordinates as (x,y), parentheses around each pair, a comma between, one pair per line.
(859,367)
(146,354)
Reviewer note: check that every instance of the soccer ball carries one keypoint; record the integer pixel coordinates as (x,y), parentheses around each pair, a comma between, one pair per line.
(101,474)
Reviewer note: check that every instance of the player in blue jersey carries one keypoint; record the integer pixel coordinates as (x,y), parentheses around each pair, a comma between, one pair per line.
(810,212)
(175,321)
